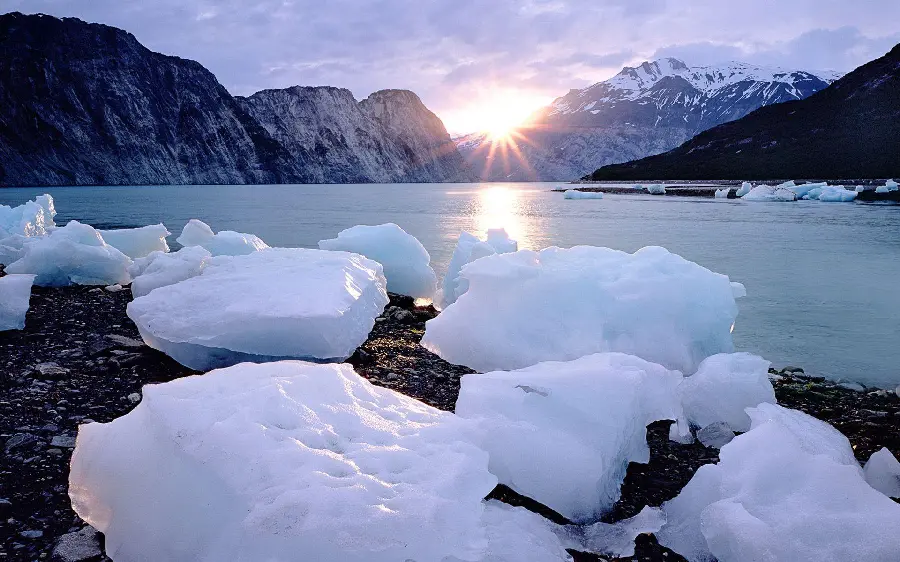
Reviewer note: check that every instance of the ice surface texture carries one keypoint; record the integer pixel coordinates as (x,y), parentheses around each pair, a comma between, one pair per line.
(563,433)
(555,305)
(274,304)
(137,242)
(789,489)
(74,254)
(405,260)
(468,249)
(223,243)
(160,269)
(15,294)
(286,461)
(34,218)
(575,194)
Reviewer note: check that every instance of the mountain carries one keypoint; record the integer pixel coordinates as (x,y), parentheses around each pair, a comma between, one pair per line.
(84,104)
(849,130)
(640,111)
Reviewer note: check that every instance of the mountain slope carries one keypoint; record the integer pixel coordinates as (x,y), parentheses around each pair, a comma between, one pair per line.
(87,104)
(848,130)
(641,111)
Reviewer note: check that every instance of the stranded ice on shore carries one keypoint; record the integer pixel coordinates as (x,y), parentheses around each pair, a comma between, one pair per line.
(222,243)
(137,242)
(15,294)
(576,194)
(468,249)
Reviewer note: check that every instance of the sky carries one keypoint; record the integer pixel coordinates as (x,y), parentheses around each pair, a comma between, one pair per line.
(477,63)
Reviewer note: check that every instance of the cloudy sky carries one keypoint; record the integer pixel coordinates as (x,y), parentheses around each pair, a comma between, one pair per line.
(469,59)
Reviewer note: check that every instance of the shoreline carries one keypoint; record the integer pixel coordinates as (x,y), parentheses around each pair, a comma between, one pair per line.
(80,358)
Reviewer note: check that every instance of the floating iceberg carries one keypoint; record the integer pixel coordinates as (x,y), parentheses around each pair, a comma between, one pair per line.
(575,194)
(770,193)
(137,242)
(891,185)
(881,189)
(34,218)
(15,294)
(722,193)
(274,304)
(74,254)
(834,194)
(560,304)
(789,489)
(656,189)
(160,268)
(468,249)
(723,386)
(564,433)
(802,191)
(744,189)
(405,260)
(882,472)
(222,243)
(283,461)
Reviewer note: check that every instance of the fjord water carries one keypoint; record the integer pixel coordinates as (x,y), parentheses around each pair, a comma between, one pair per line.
(821,277)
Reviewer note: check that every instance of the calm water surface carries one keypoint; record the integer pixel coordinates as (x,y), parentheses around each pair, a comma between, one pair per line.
(821,277)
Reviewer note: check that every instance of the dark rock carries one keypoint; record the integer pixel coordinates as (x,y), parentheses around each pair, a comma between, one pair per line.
(78,546)
(19,440)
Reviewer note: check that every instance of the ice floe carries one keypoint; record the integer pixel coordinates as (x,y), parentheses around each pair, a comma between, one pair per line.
(160,268)
(722,193)
(74,254)
(406,262)
(559,304)
(563,433)
(468,249)
(274,304)
(15,294)
(576,194)
(291,459)
(656,189)
(33,218)
(770,193)
(137,242)
(222,243)
(744,189)
(882,472)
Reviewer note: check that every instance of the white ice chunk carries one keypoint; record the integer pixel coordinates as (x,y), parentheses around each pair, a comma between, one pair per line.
(160,268)
(829,193)
(575,194)
(860,188)
(778,494)
(802,191)
(15,294)
(587,418)
(274,304)
(223,243)
(559,304)
(405,260)
(738,290)
(74,254)
(282,461)
(744,189)
(617,539)
(468,249)
(881,189)
(34,218)
(722,193)
(723,386)
(137,242)
(656,189)
(882,472)
(12,248)
(891,185)
(770,193)
(515,534)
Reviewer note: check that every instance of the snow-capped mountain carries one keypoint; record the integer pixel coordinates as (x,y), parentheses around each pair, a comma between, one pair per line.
(640,111)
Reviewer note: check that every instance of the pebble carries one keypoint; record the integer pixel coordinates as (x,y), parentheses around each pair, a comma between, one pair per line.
(113,288)
(78,546)
(134,397)
(50,369)
(31,534)
(716,435)
(64,441)
(124,341)
(18,440)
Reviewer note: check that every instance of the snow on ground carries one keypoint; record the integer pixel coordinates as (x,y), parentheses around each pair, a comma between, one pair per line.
(882,472)
(788,489)
(137,242)
(723,386)
(575,194)
(560,304)
(274,304)
(160,268)
(222,243)
(262,462)
(15,294)
(74,254)
(406,262)
(468,249)
(563,433)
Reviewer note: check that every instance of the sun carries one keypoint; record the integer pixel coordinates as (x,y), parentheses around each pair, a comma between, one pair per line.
(495,112)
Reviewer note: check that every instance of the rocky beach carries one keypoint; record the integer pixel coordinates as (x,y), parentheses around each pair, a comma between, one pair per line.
(80,358)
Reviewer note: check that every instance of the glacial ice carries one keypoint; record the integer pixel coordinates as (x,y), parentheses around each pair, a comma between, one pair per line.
(575,194)
(137,242)
(656,189)
(882,472)
(559,304)
(882,189)
(468,249)
(222,243)
(287,461)
(74,254)
(160,268)
(563,433)
(15,294)
(770,193)
(617,539)
(405,260)
(34,218)
(780,493)
(723,386)
(744,189)
(891,185)
(722,193)
(278,303)
(515,534)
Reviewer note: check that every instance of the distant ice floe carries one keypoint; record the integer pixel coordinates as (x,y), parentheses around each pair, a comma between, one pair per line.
(526,307)
(137,242)
(277,303)
(656,189)
(788,489)
(791,191)
(576,194)
(222,243)
(15,295)
(769,193)
(722,193)
(468,249)
(405,261)
(744,189)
